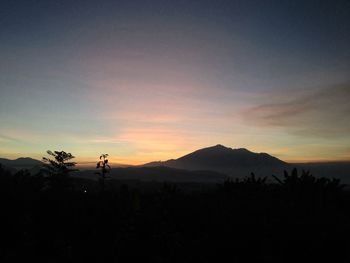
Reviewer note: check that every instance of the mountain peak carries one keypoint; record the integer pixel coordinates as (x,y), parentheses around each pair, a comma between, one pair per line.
(220,146)
(24,159)
(220,157)
(216,147)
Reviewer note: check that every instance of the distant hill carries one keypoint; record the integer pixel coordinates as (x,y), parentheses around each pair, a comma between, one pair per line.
(211,164)
(158,174)
(226,160)
(20,163)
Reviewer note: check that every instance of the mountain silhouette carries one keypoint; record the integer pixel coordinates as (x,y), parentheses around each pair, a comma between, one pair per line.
(224,159)
(157,174)
(20,163)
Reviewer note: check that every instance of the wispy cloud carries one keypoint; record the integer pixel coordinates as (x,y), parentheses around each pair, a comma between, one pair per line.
(322,113)
(5,138)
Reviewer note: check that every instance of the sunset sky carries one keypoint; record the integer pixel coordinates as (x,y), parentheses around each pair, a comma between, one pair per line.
(153,80)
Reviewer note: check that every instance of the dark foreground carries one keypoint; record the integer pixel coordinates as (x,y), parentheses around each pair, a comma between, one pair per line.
(299,219)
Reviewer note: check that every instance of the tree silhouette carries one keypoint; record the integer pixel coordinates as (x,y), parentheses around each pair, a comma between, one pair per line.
(306,179)
(59,168)
(105,168)
(251,183)
(306,186)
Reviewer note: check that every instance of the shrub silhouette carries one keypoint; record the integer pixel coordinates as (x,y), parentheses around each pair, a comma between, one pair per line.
(254,181)
(154,222)
(59,168)
(307,186)
(307,179)
(247,183)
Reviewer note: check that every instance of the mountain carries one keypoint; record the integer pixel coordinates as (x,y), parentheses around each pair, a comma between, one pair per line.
(226,160)
(20,163)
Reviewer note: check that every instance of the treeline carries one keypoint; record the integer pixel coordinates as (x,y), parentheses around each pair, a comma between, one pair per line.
(299,217)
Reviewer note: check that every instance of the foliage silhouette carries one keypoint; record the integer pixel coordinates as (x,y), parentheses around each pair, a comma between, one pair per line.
(247,183)
(242,220)
(307,180)
(308,189)
(58,169)
(105,168)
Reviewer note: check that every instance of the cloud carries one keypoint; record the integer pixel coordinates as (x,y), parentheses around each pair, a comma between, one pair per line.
(322,113)
(5,138)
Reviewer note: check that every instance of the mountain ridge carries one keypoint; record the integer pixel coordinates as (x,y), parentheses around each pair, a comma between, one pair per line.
(223,159)
(20,162)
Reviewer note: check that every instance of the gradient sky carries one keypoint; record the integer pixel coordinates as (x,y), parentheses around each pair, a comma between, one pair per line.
(153,80)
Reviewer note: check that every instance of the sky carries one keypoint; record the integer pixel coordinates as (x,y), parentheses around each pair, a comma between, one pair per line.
(154,80)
